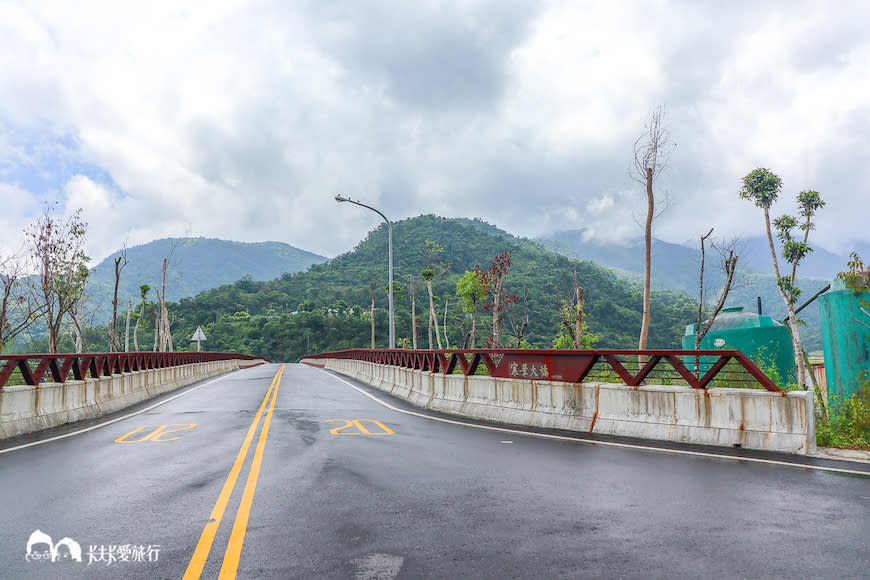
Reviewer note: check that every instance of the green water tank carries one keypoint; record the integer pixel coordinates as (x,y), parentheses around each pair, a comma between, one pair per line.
(845,339)
(765,341)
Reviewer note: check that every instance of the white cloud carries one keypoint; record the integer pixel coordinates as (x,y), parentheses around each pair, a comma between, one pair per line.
(240,121)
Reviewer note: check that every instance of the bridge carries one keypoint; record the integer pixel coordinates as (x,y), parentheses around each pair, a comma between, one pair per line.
(297,471)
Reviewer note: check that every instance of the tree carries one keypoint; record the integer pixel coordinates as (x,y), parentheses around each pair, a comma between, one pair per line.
(17,313)
(857,279)
(428,274)
(57,249)
(728,264)
(432,252)
(373,291)
(412,294)
(493,282)
(163,334)
(652,151)
(470,288)
(120,263)
(762,187)
(573,332)
(143,293)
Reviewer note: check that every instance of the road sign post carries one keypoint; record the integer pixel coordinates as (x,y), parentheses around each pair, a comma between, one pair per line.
(198,337)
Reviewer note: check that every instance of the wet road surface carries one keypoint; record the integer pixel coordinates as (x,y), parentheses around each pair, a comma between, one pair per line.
(290,472)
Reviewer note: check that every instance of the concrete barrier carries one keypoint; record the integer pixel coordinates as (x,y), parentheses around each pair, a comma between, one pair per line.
(748,418)
(24,409)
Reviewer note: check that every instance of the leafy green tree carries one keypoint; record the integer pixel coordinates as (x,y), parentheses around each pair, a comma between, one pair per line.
(762,187)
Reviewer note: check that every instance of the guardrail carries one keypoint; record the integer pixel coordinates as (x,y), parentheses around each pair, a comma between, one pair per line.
(699,369)
(33,369)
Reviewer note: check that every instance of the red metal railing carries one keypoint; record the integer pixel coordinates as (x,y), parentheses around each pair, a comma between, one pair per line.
(33,369)
(699,369)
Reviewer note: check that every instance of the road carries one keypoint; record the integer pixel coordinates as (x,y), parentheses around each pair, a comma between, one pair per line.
(291,472)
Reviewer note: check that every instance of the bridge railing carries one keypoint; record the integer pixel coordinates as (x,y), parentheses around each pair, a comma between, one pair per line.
(699,369)
(33,369)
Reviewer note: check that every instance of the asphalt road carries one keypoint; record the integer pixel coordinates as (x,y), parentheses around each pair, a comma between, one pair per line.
(265,473)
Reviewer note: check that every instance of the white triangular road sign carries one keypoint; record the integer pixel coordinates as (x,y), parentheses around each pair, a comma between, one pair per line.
(198,335)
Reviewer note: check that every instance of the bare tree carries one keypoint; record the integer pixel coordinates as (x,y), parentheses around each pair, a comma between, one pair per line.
(127,328)
(412,294)
(17,313)
(120,263)
(57,248)
(143,292)
(652,151)
(444,325)
(432,259)
(519,324)
(729,253)
(163,323)
(428,274)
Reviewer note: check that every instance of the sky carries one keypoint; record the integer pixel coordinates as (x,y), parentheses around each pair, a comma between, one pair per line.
(242,120)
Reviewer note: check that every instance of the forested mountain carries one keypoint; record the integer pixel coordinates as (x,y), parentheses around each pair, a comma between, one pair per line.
(320,308)
(194,265)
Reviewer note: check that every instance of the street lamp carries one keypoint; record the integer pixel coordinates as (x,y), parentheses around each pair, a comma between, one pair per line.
(340,199)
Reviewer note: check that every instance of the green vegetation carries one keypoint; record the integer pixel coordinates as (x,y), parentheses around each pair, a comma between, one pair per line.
(847,421)
(320,309)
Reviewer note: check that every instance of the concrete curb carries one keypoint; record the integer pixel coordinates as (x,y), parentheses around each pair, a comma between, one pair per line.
(746,418)
(24,409)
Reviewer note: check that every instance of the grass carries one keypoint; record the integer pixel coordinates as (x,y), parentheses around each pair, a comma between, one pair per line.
(846,422)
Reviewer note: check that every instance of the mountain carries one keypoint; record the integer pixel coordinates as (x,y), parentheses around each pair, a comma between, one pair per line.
(194,265)
(320,309)
(676,267)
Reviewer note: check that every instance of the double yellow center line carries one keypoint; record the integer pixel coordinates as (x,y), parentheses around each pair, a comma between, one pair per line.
(237,538)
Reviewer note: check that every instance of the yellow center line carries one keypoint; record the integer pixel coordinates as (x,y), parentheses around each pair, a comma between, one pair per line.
(237,538)
(203,547)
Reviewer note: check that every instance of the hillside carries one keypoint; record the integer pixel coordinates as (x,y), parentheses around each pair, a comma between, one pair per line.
(195,265)
(319,309)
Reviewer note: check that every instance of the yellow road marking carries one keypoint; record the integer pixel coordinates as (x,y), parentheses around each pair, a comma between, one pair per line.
(240,526)
(348,423)
(203,547)
(157,434)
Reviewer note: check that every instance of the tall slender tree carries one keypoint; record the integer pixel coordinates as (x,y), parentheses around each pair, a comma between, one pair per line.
(120,264)
(762,187)
(652,151)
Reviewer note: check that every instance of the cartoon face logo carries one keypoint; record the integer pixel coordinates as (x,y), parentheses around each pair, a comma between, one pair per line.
(40,547)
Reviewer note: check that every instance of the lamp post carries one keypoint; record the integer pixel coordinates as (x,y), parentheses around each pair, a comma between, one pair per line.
(340,199)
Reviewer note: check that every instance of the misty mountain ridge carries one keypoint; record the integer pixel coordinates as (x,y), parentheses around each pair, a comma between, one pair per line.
(193,266)
(676,265)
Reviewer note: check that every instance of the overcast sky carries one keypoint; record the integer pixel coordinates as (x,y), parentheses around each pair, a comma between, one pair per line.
(242,120)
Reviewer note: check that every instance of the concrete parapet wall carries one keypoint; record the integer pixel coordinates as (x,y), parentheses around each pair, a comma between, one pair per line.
(24,409)
(748,418)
